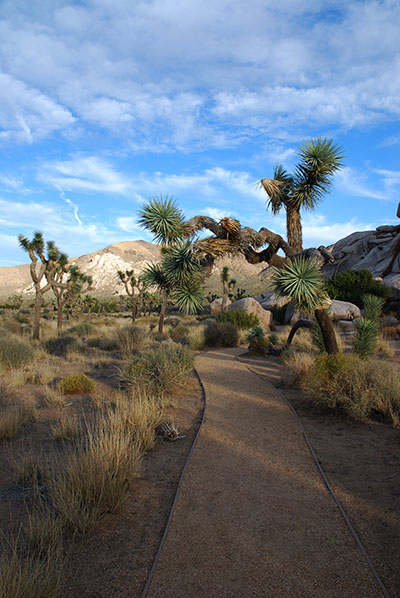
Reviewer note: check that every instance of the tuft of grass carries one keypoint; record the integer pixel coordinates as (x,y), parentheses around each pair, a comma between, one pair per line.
(82,329)
(27,471)
(40,372)
(130,340)
(14,418)
(384,349)
(96,477)
(43,532)
(54,398)
(13,350)
(23,576)
(67,427)
(297,367)
(76,384)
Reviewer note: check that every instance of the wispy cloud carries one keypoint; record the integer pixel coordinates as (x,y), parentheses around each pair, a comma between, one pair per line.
(351,182)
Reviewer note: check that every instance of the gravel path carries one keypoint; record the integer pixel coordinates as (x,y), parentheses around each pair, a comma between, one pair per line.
(253,517)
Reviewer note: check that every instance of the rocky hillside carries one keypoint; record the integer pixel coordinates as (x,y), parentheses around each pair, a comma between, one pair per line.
(103,265)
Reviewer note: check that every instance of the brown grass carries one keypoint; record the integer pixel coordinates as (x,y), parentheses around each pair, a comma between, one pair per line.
(13,418)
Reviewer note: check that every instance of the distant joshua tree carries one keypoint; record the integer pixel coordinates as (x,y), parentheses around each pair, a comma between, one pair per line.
(42,269)
(135,288)
(67,283)
(227,286)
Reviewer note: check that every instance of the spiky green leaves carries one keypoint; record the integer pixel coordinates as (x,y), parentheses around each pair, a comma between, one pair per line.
(189,296)
(300,280)
(373,305)
(366,338)
(180,264)
(164,219)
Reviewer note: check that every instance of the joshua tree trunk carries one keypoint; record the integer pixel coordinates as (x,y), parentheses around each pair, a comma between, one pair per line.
(327,330)
(134,311)
(37,314)
(163,311)
(60,315)
(294,229)
(225,295)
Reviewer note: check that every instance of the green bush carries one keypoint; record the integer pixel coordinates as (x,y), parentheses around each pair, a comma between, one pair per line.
(353,284)
(366,338)
(76,384)
(242,319)
(13,351)
(105,344)
(221,334)
(160,369)
(60,345)
(257,341)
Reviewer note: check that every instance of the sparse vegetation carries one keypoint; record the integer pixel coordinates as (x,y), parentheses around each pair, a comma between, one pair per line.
(14,351)
(241,319)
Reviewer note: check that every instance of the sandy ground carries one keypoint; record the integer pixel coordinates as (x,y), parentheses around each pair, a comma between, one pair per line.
(253,517)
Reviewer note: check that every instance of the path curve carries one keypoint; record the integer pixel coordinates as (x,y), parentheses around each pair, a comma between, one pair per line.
(253,517)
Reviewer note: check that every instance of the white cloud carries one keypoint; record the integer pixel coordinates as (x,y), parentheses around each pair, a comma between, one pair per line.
(351,182)
(84,174)
(318,230)
(391,180)
(129,225)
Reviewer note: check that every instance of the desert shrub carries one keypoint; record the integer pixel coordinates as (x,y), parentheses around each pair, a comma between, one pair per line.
(353,284)
(104,343)
(384,350)
(141,413)
(75,384)
(60,345)
(40,372)
(242,319)
(297,367)
(341,383)
(196,337)
(220,334)
(160,337)
(386,388)
(11,325)
(159,370)
(82,329)
(130,339)
(257,341)
(66,427)
(274,338)
(14,351)
(179,334)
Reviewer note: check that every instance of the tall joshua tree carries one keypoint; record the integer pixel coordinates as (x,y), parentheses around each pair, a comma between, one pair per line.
(42,268)
(320,158)
(135,289)
(67,283)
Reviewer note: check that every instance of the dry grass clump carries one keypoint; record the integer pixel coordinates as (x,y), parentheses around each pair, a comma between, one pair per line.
(66,427)
(75,384)
(297,367)
(142,414)
(13,350)
(355,387)
(384,349)
(30,574)
(96,476)
(130,340)
(13,418)
(43,532)
(53,397)
(191,334)
(40,372)
(27,471)
(159,370)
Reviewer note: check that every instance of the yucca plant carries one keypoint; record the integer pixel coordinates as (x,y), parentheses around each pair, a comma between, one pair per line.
(366,338)
(372,306)
(164,219)
(301,280)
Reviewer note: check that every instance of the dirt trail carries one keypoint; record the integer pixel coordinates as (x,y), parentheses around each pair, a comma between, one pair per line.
(253,517)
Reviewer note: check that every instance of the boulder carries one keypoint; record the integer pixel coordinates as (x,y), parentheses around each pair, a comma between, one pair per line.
(270,300)
(346,326)
(253,307)
(216,305)
(173,321)
(344,310)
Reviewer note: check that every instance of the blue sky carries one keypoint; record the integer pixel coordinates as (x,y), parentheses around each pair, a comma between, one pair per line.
(107,103)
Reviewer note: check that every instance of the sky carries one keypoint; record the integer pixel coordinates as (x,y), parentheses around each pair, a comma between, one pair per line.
(105,104)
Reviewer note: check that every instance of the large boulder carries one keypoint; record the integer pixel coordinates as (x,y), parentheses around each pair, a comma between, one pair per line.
(216,305)
(271,300)
(343,310)
(253,307)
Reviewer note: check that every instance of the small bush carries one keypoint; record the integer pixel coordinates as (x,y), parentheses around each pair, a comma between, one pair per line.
(14,351)
(105,344)
(60,345)
(130,339)
(297,367)
(76,384)
(221,334)
(257,341)
(159,370)
(353,284)
(242,319)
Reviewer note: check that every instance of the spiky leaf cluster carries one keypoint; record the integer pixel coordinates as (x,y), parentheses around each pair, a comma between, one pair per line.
(300,280)
(180,264)
(373,305)
(164,219)
(366,338)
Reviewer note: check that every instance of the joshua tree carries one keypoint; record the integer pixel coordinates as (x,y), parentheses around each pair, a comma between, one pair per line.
(319,160)
(67,289)
(227,285)
(135,288)
(301,280)
(42,269)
